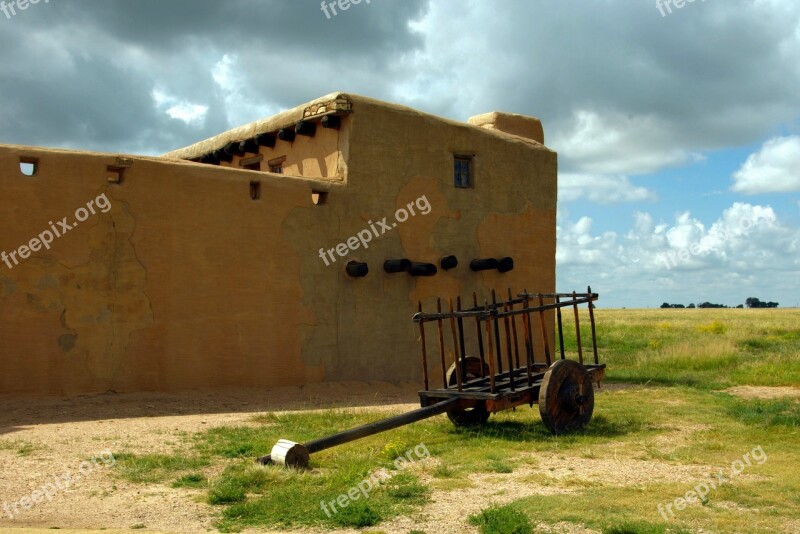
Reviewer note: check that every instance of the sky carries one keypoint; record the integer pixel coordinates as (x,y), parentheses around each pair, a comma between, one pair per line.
(677,129)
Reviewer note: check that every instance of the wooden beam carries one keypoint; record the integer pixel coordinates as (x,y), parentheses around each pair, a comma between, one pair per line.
(333,122)
(265,139)
(249,145)
(306,128)
(286,134)
(233,149)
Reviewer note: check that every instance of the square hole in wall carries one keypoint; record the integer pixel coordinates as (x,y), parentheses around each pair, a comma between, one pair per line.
(28,166)
(114,174)
(319,197)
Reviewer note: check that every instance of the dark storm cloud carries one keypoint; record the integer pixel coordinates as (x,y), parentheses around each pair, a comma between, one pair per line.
(710,75)
(620,88)
(82,74)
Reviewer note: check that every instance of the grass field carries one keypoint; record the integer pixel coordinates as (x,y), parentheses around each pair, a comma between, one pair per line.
(668,427)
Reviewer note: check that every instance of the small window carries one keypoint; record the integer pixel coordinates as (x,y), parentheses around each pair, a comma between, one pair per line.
(462,171)
(252,164)
(276,165)
(255,190)
(319,197)
(28,166)
(114,175)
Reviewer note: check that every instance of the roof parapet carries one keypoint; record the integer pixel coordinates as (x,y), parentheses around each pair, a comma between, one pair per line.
(510,123)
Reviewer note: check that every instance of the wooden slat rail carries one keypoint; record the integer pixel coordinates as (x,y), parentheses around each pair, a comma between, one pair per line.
(494,364)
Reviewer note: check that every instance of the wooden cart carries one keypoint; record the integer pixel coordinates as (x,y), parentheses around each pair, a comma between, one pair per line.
(488,363)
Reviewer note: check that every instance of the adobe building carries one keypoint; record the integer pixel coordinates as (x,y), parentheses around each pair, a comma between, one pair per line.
(240,261)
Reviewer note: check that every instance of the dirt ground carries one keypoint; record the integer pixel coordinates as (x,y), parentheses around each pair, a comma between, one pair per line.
(59,434)
(765,392)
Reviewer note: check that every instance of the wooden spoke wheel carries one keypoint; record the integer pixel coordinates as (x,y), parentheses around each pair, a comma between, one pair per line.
(566,398)
(477,415)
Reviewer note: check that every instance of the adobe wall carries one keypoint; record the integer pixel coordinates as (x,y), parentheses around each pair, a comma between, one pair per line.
(363,328)
(310,157)
(186,282)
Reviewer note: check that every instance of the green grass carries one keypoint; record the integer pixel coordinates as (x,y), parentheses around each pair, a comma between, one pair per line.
(21,448)
(641,527)
(192,480)
(709,349)
(677,362)
(765,413)
(501,520)
(150,468)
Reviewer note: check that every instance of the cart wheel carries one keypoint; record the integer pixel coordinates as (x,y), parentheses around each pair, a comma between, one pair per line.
(468,416)
(566,398)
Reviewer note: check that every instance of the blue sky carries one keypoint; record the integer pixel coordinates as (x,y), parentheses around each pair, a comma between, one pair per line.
(678,133)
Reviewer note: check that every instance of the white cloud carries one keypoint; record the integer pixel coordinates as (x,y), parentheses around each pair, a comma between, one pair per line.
(625,94)
(615,143)
(601,189)
(180,110)
(746,252)
(232,83)
(773,169)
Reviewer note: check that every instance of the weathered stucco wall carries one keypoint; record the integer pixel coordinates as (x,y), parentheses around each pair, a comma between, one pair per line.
(397,155)
(186,282)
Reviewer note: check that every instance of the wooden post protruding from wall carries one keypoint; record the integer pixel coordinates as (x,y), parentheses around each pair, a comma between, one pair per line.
(306,128)
(505,265)
(448,262)
(233,149)
(249,145)
(396,266)
(286,134)
(332,122)
(422,269)
(488,264)
(222,155)
(265,139)
(357,269)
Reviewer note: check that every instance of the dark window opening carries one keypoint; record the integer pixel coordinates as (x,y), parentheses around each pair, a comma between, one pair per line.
(252,164)
(255,190)
(462,171)
(276,165)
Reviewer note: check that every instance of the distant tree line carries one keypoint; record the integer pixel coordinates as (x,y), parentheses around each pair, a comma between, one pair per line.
(692,306)
(752,302)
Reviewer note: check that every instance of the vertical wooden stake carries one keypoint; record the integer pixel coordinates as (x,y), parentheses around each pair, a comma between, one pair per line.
(424,350)
(455,346)
(578,327)
(441,344)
